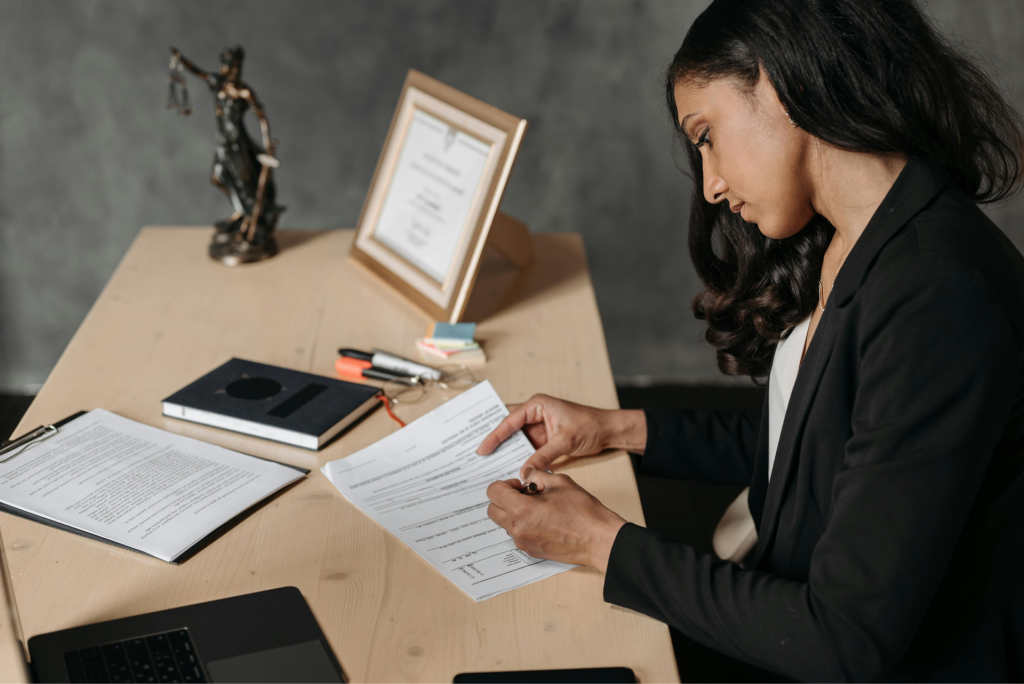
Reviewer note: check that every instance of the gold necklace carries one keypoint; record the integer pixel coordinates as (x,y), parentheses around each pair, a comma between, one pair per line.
(821,298)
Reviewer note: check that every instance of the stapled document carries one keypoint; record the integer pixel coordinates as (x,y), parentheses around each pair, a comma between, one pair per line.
(111,478)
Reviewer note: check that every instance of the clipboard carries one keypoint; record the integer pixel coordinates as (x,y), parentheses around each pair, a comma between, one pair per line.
(13,448)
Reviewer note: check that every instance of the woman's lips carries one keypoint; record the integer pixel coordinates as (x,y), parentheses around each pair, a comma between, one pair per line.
(736,208)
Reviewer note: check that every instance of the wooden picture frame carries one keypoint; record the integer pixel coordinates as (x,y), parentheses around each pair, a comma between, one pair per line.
(433,201)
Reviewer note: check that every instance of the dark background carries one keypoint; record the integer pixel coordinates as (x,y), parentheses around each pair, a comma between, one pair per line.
(88,154)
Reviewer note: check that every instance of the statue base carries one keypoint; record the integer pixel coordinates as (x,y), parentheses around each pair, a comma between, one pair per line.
(236,250)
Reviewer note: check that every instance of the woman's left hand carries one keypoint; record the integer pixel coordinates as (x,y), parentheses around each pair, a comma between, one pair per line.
(563,523)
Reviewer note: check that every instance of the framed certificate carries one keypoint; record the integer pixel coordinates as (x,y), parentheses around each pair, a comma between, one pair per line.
(433,202)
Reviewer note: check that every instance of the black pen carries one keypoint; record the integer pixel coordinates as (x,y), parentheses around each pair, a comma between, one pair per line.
(529,489)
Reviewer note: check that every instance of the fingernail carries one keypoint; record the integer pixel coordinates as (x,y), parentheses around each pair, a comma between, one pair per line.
(527,472)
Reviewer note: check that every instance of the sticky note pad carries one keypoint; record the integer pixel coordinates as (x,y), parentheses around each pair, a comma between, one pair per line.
(456,332)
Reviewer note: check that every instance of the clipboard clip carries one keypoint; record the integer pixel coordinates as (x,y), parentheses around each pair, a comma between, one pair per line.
(20,445)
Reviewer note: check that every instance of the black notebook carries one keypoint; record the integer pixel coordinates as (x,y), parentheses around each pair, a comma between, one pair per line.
(271,402)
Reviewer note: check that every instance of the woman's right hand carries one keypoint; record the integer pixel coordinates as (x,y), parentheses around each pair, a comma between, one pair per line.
(557,427)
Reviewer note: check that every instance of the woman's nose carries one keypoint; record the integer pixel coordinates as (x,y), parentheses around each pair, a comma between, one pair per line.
(714,187)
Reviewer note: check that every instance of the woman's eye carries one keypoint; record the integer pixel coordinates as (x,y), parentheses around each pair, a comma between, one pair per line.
(703,137)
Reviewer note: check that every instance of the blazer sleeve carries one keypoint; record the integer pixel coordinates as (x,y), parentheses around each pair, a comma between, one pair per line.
(712,447)
(939,369)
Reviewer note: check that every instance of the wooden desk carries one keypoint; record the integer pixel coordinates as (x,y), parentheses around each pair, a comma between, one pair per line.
(169,314)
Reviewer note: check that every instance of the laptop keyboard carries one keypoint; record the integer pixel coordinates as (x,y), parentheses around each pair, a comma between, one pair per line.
(168,657)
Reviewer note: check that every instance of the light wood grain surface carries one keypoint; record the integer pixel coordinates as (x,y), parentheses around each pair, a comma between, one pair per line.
(169,314)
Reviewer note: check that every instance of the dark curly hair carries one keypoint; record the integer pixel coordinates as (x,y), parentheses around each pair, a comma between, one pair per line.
(861,75)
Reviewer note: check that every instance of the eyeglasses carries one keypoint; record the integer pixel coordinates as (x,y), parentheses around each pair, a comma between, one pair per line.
(402,391)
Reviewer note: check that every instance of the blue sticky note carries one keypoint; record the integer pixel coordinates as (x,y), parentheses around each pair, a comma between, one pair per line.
(462,332)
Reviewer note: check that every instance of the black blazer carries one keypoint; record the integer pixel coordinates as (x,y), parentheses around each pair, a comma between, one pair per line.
(898,471)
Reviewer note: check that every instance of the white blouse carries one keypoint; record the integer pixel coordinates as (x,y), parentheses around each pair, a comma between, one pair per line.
(785,366)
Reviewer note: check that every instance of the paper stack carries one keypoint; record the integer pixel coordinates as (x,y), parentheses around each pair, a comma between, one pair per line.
(452,343)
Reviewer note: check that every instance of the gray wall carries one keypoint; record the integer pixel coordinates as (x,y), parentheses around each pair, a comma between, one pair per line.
(88,154)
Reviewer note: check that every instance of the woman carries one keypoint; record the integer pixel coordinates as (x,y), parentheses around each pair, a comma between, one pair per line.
(838,149)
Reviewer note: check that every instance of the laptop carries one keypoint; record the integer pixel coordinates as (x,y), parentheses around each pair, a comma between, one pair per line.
(269,636)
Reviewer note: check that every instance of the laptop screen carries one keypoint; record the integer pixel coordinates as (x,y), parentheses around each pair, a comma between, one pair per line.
(12,655)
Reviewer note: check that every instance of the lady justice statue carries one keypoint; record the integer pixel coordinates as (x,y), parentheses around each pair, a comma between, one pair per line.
(240,168)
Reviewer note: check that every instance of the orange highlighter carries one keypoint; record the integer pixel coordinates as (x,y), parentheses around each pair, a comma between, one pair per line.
(359,369)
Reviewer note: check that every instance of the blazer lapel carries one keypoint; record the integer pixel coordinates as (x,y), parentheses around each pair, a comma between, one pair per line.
(807,380)
(917,185)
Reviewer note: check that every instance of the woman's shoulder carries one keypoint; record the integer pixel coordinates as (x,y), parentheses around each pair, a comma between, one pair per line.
(954,227)
(951,252)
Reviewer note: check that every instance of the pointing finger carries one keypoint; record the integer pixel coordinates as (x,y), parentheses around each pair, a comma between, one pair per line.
(506,428)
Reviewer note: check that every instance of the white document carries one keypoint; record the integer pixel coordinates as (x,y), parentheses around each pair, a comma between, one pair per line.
(431,194)
(137,485)
(427,486)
